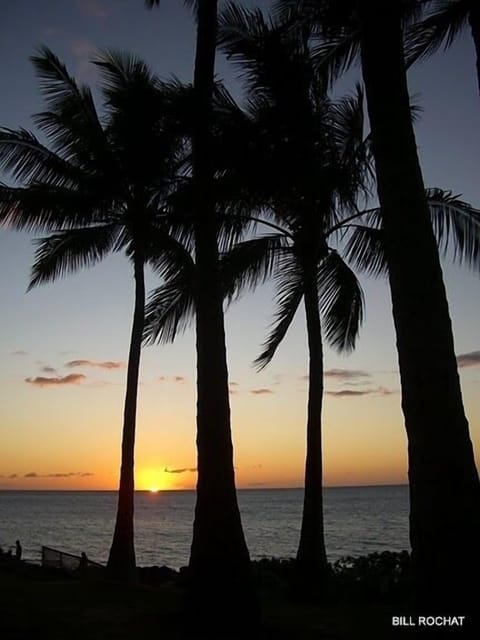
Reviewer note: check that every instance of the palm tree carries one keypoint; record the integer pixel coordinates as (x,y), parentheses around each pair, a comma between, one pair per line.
(219,569)
(444,484)
(306,159)
(446,19)
(98,186)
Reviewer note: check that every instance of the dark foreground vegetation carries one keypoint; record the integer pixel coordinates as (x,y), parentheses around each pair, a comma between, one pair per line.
(362,596)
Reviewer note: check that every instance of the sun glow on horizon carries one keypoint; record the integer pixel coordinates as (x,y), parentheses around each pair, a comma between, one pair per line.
(152,480)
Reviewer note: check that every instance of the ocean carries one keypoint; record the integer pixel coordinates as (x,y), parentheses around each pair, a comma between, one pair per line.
(358,521)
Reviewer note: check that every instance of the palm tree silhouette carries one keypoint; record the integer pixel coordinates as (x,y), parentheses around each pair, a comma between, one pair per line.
(98,186)
(220,588)
(441,462)
(307,161)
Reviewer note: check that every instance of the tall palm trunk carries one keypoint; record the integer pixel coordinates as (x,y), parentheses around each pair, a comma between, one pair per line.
(474,19)
(121,562)
(311,561)
(220,595)
(444,485)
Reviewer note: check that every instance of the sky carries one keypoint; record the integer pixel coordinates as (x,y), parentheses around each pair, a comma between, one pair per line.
(63,347)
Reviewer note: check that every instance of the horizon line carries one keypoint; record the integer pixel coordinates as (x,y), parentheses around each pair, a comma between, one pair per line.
(258,488)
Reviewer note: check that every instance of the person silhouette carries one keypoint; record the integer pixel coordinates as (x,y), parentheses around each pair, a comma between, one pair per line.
(18,550)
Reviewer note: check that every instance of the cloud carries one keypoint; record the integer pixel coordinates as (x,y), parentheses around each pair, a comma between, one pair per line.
(42,381)
(10,476)
(471,359)
(262,391)
(378,391)
(92,8)
(106,364)
(48,369)
(19,352)
(191,470)
(346,374)
(178,379)
(233,384)
(171,379)
(69,474)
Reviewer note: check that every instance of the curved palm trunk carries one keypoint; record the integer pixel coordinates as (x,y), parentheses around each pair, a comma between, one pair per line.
(311,561)
(474,19)
(444,485)
(121,562)
(220,596)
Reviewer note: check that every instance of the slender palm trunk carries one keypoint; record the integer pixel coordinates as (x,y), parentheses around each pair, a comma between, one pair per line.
(220,597)
(121,562)
(444,485)
(474,19)
(311,561)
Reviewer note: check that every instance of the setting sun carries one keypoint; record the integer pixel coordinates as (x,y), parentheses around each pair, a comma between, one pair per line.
(152,480)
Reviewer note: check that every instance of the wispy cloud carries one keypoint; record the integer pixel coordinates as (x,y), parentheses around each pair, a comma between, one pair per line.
(260,392)
(9,476)
(69,474)
(471,359)
(106,364)
(92,8)
(19,352)
(171,379)
(43,381)
(378,391)
(183,470)
(47,369)
(346,374)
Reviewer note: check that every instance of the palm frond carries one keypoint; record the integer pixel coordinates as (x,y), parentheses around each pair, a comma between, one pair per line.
(341,302)
(27,160)
(121,71)
(71,122)
(42,208)
(289,294)
(456,225)
(333,56)
(68,251)
(249,264)
(441,27)
(356,174)
(165,254)
(365,250)
(170,309)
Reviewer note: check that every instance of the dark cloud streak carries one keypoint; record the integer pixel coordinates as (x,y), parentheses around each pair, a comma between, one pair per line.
(471,359)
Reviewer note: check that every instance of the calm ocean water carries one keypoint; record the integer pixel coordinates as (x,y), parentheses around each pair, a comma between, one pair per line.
(358,520)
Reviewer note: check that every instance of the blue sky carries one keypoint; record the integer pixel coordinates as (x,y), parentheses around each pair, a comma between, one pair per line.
(73,427)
